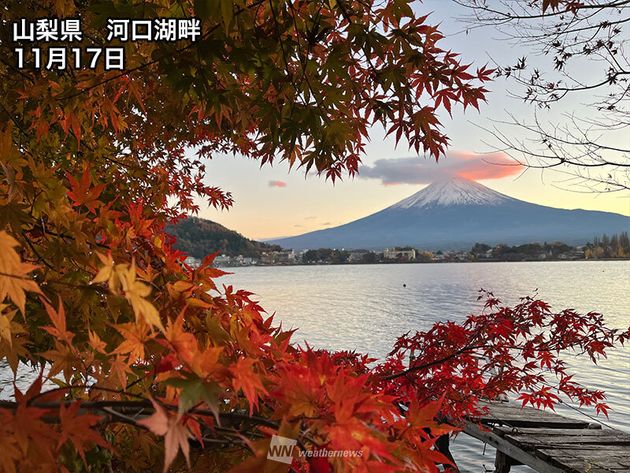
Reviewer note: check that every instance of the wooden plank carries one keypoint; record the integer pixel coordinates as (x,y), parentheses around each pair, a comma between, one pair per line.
(519,421)
(576,466)
(585,450)
(531,439)
(598,455)
(511,451)
(556,432)
(613,450)
(508,407)
(588,461)
(531,414)
(514,415)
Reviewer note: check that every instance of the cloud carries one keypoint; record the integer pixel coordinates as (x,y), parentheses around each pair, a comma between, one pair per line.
(277,184)
(419,170)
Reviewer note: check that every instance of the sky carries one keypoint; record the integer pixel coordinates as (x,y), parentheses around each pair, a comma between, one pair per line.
(270,202)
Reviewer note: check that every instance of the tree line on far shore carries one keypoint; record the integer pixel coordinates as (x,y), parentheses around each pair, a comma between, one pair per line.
(614,246)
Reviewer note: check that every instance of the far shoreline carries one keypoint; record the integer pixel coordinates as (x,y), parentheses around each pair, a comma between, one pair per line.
(380,263)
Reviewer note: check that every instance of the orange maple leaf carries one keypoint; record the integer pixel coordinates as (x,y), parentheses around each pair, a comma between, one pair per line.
(248,380)
(78,429)
(135,336)
(120,369)
(63,359)
(58,319)
(174,430)
(83,193)
(184,343)
(26,423)
(96,343)
(427,416)
(5,325)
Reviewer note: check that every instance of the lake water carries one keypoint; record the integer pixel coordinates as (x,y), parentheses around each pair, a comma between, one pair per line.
(365,307)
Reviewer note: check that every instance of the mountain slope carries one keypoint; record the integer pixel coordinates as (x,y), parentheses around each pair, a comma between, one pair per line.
(199,237)
(456,213)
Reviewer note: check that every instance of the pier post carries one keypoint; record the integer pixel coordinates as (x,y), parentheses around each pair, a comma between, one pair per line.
(502,463)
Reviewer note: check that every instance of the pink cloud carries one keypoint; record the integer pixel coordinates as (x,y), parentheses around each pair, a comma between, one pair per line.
(419,170)
(277,184)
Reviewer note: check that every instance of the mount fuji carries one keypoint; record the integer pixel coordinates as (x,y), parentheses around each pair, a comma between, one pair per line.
(454,214)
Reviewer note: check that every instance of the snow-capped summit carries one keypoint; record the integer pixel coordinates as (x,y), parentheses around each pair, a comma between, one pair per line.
(453,191)
(456,213)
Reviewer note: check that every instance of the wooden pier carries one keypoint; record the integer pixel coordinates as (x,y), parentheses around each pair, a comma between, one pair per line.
(548,442)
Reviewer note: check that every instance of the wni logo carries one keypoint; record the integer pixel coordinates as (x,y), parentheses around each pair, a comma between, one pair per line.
(281,449)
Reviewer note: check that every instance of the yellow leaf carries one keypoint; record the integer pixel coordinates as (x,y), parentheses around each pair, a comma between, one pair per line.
(135,291)
(14,280)
(135,336)
(105,273)
(144,309)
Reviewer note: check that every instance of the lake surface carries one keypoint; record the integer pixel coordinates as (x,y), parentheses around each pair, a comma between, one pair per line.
(365,307)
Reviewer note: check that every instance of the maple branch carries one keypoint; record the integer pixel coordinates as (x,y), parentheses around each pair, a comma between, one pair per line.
(508,16)
(15,276)
(135,407)
(39,257)
(421,367)
(89,388)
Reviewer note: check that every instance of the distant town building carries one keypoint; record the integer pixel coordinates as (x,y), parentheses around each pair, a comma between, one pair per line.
(222,260)
(278,257)
(244,260)
(404,254)
(192,262)
(357,256)
(439,256)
